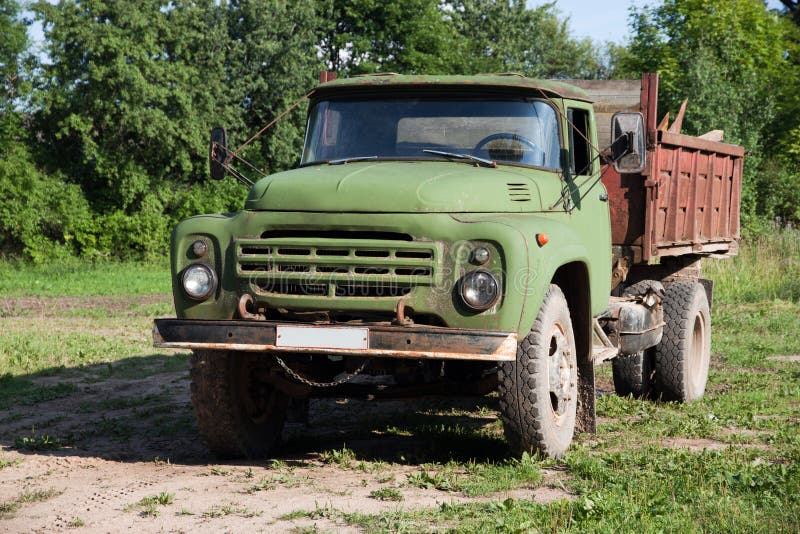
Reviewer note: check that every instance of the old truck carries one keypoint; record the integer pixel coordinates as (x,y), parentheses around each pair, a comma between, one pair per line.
(453,234)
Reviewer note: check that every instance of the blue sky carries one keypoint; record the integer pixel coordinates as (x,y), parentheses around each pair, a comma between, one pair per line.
(605,20)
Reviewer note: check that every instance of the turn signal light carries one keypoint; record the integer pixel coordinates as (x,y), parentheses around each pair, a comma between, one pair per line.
(542,239)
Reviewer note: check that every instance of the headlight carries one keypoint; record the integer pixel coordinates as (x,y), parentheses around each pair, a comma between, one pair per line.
(479,290)
(199,281)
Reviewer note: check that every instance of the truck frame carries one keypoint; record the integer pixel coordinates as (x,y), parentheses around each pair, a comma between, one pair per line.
(452,235)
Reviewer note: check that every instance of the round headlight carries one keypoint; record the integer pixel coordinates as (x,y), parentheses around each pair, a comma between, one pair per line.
(199,281)
(479,290)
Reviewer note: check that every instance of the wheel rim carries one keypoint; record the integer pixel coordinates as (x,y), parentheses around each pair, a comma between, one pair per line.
(698,353)
(559,374)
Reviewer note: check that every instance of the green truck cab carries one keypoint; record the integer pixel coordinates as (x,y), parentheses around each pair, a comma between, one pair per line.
(447,234)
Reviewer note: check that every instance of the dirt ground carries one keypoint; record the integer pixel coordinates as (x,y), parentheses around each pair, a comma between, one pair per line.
(84,459)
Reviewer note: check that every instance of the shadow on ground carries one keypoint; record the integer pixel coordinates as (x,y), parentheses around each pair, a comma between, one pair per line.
(139,409)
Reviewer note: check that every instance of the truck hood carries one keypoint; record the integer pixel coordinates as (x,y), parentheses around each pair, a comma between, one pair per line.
(400,187)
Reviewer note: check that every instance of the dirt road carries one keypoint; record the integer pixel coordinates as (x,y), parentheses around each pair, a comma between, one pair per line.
(113,447)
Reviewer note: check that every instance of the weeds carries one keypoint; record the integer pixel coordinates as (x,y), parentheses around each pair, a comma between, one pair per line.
(36,442)
(343,457)
(9,463)
(223,510)
(386,494)
(9,508)
(148,506)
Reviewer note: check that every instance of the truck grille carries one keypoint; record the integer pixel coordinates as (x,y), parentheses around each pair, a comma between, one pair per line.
(326,267)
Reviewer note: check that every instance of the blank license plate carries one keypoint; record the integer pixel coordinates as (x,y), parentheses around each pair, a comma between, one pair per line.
(322,337)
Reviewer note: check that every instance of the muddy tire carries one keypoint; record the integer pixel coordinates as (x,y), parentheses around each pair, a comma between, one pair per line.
(635,374)
(683,356)
(539,391)
(237,415)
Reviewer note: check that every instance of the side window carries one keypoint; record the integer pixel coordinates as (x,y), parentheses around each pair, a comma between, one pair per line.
(580,155)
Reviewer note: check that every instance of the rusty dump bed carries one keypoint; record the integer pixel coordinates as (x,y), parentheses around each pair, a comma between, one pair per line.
(687,200)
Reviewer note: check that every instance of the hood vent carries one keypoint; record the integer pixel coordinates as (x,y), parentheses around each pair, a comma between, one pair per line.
(519,192)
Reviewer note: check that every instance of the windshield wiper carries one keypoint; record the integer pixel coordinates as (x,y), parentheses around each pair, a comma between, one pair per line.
(342,161)
(455,155)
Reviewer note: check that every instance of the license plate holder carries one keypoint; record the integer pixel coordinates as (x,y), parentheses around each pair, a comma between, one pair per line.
(322,337)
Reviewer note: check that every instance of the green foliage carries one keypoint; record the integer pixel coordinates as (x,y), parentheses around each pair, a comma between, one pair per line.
(498,36)
(731,60)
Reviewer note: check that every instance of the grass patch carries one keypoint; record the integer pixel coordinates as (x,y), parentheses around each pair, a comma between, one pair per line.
(17,391)
(343,457)
(34,442)
(224,510)
(83,278)
(9,508)
(148,506)
(479,478)
(386,494)
(9,463)
(767,268)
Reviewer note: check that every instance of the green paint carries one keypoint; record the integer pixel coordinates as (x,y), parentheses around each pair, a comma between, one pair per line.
(447,207)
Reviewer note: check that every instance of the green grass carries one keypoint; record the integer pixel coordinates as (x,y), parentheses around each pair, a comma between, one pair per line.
(148,506)
(9,508)
(77,278)
(767,268)
(386,494)
(638,473)
(479,478)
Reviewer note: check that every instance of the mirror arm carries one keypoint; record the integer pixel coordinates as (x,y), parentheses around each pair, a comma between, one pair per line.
(239,176)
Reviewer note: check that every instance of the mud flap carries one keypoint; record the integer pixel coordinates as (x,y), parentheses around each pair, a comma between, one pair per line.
(586,418)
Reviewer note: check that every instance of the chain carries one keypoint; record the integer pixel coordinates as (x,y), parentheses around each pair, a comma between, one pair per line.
(304,380)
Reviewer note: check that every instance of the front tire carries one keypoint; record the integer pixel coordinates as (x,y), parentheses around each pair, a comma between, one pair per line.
(683,356)
(539,391)
(237,414)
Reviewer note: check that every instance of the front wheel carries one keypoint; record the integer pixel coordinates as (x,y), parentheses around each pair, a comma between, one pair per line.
(539,391)
(238,415)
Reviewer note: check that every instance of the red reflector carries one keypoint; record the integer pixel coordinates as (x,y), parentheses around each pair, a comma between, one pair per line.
(542,239)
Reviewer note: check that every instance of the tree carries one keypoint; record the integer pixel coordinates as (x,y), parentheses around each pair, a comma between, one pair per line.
(365,36)
(729,58)
(509,36)
(272,62)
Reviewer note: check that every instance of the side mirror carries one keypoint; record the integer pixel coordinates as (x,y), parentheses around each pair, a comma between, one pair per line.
(628,147)
(218,155)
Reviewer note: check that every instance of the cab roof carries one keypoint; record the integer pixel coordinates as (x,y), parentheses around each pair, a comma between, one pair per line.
(488,81)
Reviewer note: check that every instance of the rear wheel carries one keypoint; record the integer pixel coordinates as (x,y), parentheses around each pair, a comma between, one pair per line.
(237,414)
(539,391)
(682,358)
(635,374)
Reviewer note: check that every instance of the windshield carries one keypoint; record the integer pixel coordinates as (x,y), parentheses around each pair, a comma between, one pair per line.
(506,131)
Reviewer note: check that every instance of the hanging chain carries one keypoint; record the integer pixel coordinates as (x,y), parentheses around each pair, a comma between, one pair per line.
(303,380)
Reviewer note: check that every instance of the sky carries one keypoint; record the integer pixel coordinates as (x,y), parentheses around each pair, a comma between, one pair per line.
(601,21)
(605,20)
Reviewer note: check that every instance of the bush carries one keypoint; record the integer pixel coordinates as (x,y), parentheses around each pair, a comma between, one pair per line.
(41,216)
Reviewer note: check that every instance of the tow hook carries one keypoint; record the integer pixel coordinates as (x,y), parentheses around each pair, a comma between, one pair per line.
(247,301)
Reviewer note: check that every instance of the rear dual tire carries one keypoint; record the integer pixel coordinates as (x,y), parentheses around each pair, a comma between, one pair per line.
(677,368)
